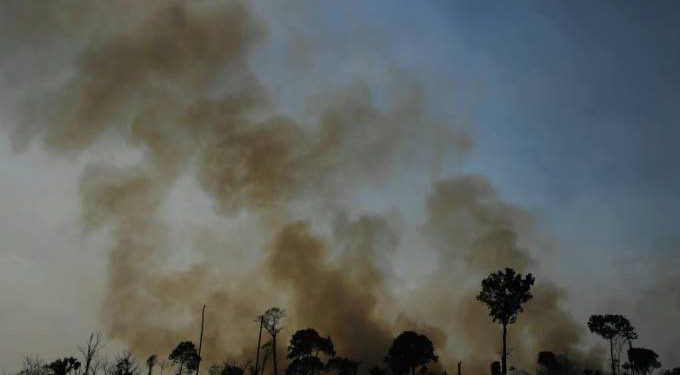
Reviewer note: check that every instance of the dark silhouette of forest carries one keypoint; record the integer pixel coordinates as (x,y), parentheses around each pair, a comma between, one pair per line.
(309,352)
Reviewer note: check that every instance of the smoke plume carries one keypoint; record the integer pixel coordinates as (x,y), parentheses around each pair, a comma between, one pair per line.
(174,84)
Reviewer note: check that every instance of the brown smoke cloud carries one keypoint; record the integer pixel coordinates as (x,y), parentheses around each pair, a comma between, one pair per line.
(155,84)
(476,233)
(659,300)
(324,296)
(175,84)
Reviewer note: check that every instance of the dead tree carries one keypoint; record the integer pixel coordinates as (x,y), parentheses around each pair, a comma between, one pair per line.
(272,319)
(259,340)
(200,340)
(94,345)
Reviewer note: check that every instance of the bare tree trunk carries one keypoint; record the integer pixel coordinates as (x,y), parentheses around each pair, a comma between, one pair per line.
(88,361)
(276,372)
(88,357)
(459,363)
(504,355)
(259,340)
(264,365)
(611,353)
(200,340)
(94,345)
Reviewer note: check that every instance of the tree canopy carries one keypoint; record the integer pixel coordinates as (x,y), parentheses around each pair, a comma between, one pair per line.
(504,292)
(549,361)
(304,349)
(609,326)
(185,356)
(408,351)
(642,360)
(64,366)
(125,365)
(308,342)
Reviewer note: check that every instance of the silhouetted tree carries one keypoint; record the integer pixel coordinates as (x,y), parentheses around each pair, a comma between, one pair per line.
(64,366)
(548,361)
(610,327)
(185,356)
(260,320)
(642,361)
(495,368)
(343,366)
(408,351)
(94,344)
(125,364)
(627,331)
(674,371)
(151,362)
(308,342)
(504,292)
(626,335)
(304,349)
(271,320)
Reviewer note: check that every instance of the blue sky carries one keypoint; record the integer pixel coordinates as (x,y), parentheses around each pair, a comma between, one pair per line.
(574,105)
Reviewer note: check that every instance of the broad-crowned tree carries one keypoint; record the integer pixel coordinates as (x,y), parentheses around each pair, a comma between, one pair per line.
(504,293)
(408,351)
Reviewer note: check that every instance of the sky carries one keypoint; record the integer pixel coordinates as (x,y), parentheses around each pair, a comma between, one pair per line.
(572,109)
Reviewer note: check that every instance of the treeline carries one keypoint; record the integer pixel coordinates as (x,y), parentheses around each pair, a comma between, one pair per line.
(504,293)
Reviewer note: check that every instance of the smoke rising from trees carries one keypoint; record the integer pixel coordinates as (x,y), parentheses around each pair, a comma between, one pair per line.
(174,83)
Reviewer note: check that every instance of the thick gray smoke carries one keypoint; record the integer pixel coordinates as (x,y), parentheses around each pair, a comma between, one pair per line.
(174,83)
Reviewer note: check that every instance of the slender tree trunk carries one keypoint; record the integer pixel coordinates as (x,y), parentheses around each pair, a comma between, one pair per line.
(630,346)
(611,353)
(264,365)
(200,339)
(276,370)
(259,340)
(504,356)
(459,363)
(87,364)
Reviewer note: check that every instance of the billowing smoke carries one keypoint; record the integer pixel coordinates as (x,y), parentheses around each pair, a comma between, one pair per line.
(476,233)
(173,81)
(327,296)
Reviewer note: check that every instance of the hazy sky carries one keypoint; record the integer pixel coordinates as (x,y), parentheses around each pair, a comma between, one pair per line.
(573,106)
